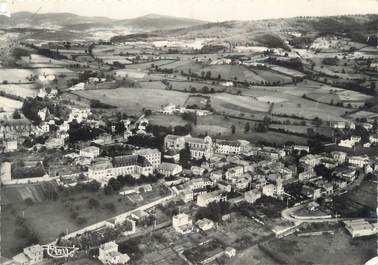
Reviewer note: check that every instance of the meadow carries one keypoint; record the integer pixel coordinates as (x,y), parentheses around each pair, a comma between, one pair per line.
(134,100)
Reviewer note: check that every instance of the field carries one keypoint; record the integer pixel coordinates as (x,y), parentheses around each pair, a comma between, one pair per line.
(57,215)
(20,90)
(219,127)
(8,104)
(199,101)
(20,75)
(135,99)
(234,105)
(340,249)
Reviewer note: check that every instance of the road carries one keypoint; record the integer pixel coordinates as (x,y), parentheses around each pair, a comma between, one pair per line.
(287,213)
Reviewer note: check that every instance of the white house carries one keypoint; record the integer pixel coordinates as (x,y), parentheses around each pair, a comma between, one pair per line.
(216,196)
(169,169)
(152,155)
(90,151)
(109,254)
(182,223)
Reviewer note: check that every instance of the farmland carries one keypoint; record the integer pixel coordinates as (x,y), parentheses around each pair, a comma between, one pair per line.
(19,90)
(234,105)
(8,104)
(135,99)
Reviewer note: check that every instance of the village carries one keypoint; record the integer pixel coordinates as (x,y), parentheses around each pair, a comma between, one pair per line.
(166,152)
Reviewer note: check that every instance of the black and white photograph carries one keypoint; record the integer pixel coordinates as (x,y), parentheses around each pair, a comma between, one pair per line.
(196,132)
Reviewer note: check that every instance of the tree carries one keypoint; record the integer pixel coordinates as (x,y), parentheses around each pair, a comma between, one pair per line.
(247,127)
(93,203)
(16,115)
(185,156)
(233,129)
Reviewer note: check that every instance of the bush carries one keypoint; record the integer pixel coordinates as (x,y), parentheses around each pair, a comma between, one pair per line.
(29,201)
(93,203)
(81,220)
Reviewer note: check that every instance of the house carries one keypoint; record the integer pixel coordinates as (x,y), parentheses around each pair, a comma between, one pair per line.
(340,157)
(90,151)
(101,171)
(44,127)
(215,196)
(182,223)
(53,142)
(30,255)
(131,165)
(172,155)
(358,161)
(152,155)
(174,142)
(205,224)
(360,227)
(373,139)
(347,143)
(367,126)
(311,192)
(230,252)
(233,172)
(10,146)
(169,169)
(269,190)
(78,86)
(252,195)
(227,147)
(108,254)
(169,109)
(307,174)
(300,148)
(198,171)
(43,113)
(216,175)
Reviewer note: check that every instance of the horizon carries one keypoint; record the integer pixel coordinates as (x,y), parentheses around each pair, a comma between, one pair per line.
(194,9)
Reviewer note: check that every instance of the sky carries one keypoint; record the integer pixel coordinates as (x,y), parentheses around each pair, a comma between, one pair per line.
(210,10)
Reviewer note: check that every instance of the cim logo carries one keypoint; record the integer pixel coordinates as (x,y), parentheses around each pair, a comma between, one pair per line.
(59,252)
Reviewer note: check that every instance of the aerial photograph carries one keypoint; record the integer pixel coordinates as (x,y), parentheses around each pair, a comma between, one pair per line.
(197,132)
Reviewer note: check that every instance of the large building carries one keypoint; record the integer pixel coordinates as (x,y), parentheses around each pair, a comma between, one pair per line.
(152,155)
(216,196)
(199,147)
(227,147)
(134,165)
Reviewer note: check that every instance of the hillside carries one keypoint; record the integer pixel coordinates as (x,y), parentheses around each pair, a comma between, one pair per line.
(274,32)
(68,21)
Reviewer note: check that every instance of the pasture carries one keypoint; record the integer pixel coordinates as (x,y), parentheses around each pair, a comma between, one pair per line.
(20,90)
(134,100)
(234,105)
(8,104)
